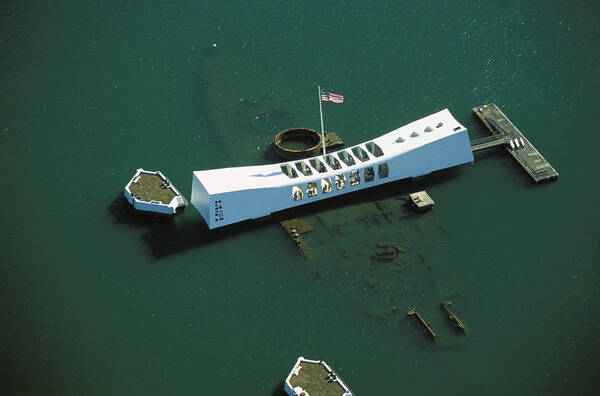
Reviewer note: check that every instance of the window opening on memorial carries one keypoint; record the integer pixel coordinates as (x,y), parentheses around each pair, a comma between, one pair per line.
(428,129)
(303,168)
(354,178)
(346,158)
(326,185)
(400,140)
(439,125)
(311,189)
(289,171)
(318,165)
(369,174)
(333,162)
(383,171)
(374,149)
(297,193)
(360,154)
(414,134)
(340,182)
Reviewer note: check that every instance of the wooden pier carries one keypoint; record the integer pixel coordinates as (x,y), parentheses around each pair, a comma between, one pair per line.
(505,133)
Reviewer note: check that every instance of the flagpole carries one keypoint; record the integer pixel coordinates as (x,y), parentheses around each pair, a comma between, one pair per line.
(322,128)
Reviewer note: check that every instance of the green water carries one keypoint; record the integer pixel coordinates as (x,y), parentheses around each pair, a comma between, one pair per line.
(95,301)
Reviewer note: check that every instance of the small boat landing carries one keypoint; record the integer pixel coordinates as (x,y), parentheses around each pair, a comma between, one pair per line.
(151,191)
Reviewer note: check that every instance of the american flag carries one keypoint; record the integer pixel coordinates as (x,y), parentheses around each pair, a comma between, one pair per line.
(331,97)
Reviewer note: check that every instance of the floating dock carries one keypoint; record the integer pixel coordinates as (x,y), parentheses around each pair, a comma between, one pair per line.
(506,133)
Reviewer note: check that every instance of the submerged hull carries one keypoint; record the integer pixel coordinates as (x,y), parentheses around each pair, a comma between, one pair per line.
(230,195)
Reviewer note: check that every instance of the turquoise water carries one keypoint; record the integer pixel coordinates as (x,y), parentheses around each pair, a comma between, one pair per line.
(96,301)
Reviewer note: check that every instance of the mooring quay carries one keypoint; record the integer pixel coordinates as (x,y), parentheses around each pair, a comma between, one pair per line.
(506,133)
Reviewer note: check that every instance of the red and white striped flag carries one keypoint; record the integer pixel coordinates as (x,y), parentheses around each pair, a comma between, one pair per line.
(331,97)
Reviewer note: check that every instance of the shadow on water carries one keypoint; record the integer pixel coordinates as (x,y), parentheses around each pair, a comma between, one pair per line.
(168,235)
(270,155)
(279,390)
(175,236)
(179,236)
(123,213)
(491,153)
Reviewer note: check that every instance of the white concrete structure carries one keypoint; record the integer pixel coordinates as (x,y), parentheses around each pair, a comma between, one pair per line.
(148,204)
(230,195)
